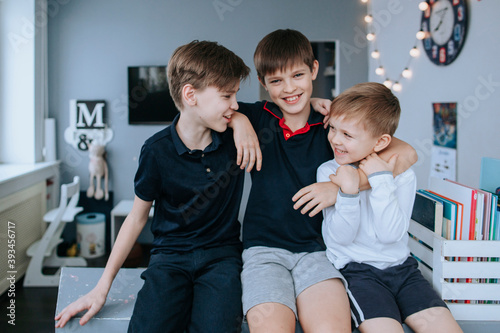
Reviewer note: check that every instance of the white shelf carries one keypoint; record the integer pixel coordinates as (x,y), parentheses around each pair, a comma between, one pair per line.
(473,270)
(118,215)
(15,177)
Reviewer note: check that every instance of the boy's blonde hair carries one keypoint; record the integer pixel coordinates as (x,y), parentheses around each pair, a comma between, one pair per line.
(280,50)
(373,104)
(203,64)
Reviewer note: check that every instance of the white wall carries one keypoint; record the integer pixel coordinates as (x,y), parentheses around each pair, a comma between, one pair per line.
(17,97)
(92,42)
(472,80)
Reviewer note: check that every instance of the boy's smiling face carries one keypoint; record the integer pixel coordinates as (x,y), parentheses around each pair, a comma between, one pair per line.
(215,107)
(349,139)
(291,89)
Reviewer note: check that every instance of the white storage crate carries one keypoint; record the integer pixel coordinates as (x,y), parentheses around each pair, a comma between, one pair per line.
(436,252)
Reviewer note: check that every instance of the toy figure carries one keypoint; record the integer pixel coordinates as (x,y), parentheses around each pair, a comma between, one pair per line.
(98,169)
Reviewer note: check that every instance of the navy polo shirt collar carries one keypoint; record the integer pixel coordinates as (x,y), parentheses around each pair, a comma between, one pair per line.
(181,148)
(315,118)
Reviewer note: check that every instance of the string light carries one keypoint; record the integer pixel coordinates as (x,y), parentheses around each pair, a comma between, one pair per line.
(397,86)
(406,73)
(422,6)
(421,35)
(414,52)
(375,54)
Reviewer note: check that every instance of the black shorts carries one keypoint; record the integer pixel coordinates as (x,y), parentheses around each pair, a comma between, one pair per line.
(396,292)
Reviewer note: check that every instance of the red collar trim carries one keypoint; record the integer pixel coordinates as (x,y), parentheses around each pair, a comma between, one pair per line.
(287,132)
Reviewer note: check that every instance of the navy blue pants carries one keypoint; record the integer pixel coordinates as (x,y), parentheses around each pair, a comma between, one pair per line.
(198,291)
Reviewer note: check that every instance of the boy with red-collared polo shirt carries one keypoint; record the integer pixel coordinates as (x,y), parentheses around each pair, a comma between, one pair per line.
(286,274)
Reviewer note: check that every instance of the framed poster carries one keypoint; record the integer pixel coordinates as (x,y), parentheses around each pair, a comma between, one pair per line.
(444,150)
(445,124)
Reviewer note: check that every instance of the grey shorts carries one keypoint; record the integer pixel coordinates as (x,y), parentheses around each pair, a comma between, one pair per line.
(279,276)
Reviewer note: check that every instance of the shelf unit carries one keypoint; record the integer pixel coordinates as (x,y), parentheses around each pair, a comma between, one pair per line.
(474,271)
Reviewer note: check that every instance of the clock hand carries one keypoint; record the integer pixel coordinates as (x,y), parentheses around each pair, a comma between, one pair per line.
(441,14)
(439,24)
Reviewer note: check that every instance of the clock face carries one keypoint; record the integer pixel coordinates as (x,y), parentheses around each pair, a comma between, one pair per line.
(441,22)
(445,23)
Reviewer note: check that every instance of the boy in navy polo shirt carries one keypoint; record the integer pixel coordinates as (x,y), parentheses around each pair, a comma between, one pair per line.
(286,274)
(366,233)
(190,171)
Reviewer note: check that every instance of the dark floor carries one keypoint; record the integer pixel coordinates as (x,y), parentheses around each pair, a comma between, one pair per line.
(35,307)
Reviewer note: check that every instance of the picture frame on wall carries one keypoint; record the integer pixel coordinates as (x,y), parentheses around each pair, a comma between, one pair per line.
(149,97)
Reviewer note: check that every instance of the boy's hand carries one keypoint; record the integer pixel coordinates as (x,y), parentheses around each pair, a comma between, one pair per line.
(322,106)
(347,178)
(315,197)
(93,302)
(248,151)
(407,155)
(373,163)
(247,143)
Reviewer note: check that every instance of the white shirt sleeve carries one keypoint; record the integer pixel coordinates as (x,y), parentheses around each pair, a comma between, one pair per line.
(391,202)
(340,221)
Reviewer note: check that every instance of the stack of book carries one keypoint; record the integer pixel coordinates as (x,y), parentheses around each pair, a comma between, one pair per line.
(459,212)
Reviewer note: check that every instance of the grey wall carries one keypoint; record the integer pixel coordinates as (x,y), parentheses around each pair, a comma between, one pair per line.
(92,42)
(472,80)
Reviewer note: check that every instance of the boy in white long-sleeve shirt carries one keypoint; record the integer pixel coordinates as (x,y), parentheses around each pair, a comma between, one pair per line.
(366,233)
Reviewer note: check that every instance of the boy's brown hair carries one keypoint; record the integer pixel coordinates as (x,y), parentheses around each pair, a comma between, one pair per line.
(281,49)
(203,64)
(373,104)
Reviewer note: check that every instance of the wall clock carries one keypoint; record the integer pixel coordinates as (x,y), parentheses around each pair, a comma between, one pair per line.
(445,24)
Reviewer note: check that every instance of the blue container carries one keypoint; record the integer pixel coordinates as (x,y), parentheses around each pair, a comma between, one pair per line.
(91,234)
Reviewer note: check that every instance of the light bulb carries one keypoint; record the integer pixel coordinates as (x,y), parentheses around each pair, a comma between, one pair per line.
(388,83)
(368,19)
(396,86)
(421,35)
(423,6)
(364,1)
(406,73)
(379,70)
(375,54)
(414,52)
(370,36)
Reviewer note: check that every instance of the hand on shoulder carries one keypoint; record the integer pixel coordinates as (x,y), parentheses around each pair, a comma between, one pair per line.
(373,163)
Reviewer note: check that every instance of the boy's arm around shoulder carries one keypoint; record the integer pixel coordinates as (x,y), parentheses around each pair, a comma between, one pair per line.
(246,141)
(95,299)
(322,106)
(314,198)
(407,156)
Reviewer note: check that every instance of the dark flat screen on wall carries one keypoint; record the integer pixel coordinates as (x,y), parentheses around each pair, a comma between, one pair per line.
(149,100)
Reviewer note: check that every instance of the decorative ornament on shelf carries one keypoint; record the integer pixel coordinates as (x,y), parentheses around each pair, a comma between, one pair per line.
(98,169)
(406,73)
(87,124)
